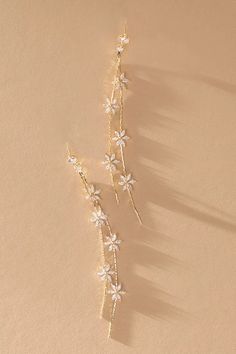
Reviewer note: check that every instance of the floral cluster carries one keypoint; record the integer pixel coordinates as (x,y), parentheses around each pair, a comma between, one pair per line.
(122,41)
(111,242)
(106,272)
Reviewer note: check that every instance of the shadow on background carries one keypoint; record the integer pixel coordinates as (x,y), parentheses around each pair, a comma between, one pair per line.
(149,92)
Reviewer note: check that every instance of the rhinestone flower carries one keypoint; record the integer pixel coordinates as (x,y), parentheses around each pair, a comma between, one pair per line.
(123,39)
(112,243)
(116,292)
(120,138)
(126,182)
(93,193)
(110,106)
(110,162)
(98,218)
(72,160)
(106,272)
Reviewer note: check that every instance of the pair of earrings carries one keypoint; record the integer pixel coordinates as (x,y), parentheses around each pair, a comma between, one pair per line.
(115,163)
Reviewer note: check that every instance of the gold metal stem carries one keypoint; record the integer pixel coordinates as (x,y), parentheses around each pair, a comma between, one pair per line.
(134,207)
(105,284)
(115,266)
(113,310)
(123,159)
(109,227)
(121,104)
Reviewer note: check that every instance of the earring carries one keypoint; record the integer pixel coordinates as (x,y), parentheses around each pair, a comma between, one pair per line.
(110,243)
(114,107)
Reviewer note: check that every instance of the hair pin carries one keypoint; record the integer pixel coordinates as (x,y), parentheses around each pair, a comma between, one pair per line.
(110,243)
(114,107)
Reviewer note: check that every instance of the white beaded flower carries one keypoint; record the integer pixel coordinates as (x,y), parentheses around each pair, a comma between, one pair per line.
(116,292)
(127,182)
(110,162)
(72,160)
(123,39)
(119,49)
(120,82)
(112,243)
(110,106)
(93,193)
(98,218)
(106,272)
(120,138)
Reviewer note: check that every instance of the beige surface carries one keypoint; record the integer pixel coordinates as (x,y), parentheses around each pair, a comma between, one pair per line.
(180,270)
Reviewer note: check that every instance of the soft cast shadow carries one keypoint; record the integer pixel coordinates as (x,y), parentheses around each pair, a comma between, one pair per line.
(144,113)
(144,296)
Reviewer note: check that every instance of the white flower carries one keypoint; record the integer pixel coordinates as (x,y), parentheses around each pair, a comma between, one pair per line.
(93,194)
(119,49)
(110,106)
(126,182)
(116,292)
(120,138)
(123,39)
(98,217)
(120,82)
(112,243)
(76,164)
(106,272)
(110,162)
(72,160)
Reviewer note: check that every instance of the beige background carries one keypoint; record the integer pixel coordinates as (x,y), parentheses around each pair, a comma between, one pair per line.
(180,269)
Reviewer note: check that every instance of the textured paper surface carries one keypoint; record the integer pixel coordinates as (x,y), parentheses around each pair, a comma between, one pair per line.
(179,271)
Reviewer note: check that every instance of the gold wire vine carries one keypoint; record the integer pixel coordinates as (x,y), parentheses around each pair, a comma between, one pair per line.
(121,118)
